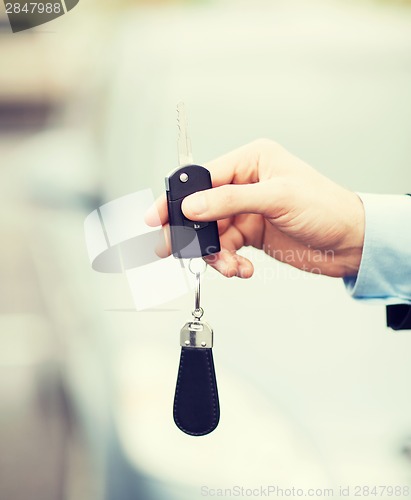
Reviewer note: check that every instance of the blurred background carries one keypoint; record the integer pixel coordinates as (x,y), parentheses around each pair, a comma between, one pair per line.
(314,389)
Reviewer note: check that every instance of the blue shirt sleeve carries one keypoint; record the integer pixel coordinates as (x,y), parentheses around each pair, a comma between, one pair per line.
(385,269)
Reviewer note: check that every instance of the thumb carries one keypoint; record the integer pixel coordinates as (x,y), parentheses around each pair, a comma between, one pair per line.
(231,199)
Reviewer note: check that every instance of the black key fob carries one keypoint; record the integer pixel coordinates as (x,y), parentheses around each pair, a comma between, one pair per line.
(189,239)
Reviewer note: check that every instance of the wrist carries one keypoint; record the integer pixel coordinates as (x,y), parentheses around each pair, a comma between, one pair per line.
(350,252)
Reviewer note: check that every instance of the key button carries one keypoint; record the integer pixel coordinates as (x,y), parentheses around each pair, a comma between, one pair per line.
(194,224)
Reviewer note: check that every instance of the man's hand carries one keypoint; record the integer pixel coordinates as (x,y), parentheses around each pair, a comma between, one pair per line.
(265,197)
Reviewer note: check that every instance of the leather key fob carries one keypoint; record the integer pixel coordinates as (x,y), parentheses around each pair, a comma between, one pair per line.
(196,403)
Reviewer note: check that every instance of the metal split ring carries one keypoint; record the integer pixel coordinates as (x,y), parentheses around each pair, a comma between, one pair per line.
(198,310)
(198,313)
(201,264)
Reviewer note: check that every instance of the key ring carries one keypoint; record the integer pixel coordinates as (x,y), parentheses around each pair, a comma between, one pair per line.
(198,310)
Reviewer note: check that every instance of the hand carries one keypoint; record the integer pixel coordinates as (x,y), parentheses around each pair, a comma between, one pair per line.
(265,197)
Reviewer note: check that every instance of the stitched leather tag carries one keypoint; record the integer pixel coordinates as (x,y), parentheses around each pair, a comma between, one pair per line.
(196,404)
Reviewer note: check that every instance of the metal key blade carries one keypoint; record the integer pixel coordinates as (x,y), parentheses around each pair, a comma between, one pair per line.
(185,156)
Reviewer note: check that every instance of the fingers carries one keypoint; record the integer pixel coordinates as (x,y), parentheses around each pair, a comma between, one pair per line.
(237,167)
(237,189)
(157,214)
(223,225)
(230,264)
(234,199)
(247,164)
(227,262)
(163,247)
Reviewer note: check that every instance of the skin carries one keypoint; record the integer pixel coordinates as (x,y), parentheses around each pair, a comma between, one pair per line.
(265,197)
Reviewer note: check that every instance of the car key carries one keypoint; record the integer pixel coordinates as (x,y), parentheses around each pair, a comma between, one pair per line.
(189,239)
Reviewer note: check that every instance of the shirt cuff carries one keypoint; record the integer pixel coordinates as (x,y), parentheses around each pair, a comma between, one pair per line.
(385,270)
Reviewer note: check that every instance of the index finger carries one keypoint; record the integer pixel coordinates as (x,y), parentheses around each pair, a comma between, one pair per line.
(157,214)
(236,167)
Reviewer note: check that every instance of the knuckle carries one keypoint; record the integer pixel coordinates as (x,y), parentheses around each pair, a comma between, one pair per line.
(264,144)
(263,141)
(265,149)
